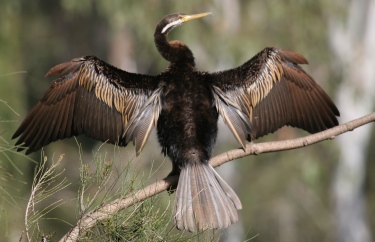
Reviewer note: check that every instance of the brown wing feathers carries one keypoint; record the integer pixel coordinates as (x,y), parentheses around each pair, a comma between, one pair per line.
(273,91)
(304,103)
(86,99)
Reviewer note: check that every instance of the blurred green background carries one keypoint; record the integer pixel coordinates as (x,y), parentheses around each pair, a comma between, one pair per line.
(324,192)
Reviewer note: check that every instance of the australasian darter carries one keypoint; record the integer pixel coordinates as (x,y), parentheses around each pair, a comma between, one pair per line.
(94,98)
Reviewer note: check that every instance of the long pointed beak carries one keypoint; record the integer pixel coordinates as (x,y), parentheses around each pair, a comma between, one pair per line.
(186,18)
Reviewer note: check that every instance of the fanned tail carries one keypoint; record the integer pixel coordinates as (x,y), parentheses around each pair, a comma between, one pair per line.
(204,200)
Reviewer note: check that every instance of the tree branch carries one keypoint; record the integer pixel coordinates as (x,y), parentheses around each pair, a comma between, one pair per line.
(107,210)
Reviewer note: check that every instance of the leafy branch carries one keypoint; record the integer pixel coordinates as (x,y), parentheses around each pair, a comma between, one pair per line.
(107,210)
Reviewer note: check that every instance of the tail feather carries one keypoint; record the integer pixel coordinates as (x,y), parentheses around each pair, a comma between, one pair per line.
(204,200)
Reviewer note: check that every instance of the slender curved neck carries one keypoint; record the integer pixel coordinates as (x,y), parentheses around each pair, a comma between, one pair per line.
(174,51)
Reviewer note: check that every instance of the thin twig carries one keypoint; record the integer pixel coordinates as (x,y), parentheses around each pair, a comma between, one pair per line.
(107,210)
(39,191)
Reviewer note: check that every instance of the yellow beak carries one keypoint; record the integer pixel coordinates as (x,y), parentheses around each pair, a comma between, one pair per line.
(186,18)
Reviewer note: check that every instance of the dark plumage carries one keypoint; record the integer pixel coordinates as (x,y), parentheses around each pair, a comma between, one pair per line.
(96,99)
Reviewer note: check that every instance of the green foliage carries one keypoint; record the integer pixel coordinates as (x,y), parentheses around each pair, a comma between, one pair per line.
(10,174)
(44,186)
(144,221)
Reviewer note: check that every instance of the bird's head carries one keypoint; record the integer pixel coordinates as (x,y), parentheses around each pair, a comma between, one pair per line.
(174,51)
(171,21)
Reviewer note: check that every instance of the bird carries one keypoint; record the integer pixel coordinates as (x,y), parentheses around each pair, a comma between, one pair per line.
(111,105)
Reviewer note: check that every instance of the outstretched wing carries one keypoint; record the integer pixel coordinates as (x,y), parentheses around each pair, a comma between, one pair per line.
(272,90)
(93,98)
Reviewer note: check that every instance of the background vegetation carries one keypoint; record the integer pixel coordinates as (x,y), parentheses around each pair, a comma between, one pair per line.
(287,196)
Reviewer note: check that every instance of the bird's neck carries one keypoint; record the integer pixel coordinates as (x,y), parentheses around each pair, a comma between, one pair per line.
(174,51)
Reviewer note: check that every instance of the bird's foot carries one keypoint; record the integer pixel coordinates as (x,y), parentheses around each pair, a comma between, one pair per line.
(173,187)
